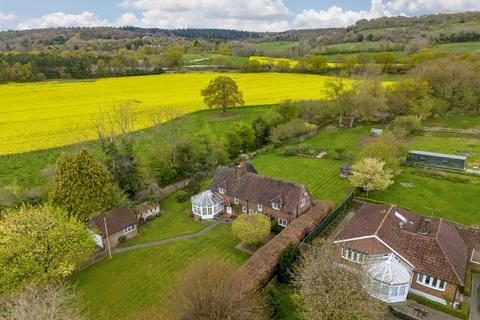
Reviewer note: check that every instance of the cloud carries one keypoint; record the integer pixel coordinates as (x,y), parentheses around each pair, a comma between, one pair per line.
(260,15)
(6,17)
(61,19)
(431,6)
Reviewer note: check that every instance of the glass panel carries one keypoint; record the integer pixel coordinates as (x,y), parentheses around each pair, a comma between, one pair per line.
(402,290)
(393,291)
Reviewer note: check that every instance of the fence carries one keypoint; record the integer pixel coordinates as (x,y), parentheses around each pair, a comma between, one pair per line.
(329,219)
(471,131)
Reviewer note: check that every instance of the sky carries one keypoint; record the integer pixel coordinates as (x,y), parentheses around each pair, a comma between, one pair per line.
(251,15)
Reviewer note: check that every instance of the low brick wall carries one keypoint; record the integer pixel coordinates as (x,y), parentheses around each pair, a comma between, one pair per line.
(261,267)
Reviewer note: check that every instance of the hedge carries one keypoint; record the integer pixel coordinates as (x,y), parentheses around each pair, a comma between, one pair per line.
(461,313)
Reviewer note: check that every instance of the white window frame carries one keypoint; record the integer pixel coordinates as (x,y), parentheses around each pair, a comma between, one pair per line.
(282,222)
(302,204)
(244,209)
(431,282)
(259,207)
(129,229)
(221,190)
(353,255)
(236,200)
(276,206)
(251,211)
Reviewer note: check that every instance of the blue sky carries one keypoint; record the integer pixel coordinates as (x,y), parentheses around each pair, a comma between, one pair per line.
(261,15)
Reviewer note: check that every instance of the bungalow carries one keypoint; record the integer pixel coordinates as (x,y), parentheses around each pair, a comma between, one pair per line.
(403,252)
(113,224)
(242,190)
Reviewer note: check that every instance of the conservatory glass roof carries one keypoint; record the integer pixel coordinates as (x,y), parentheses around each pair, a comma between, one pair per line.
(388,269)
(207,199)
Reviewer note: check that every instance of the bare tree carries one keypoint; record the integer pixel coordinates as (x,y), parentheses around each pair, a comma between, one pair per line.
(328,290)
(204,293)
(52,302)
(117,121)
(173,129)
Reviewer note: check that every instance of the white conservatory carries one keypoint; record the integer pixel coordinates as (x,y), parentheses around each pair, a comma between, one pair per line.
(207,205)
(388,277)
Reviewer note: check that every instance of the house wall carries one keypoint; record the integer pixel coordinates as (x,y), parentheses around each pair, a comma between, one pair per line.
(450,289)
(113,238)
(150,212)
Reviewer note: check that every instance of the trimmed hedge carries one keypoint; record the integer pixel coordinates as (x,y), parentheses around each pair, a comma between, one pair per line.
(461,313)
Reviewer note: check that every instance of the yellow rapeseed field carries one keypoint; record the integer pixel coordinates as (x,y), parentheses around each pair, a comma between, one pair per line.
(43,115)
(275,61)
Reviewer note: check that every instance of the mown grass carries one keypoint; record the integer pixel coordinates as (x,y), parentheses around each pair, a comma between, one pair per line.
(50,114)
(144,279)
(454,120)
(174,221)
(459,47)
(275,45)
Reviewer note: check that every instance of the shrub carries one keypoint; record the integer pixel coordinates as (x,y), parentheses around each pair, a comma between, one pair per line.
(290,130)
(193,187)
(122,239)
(287,262)
(141,221)
(182,196)
(158,214)
(272,301)
(150,218)
(290,151)
(251,228)
(405,125)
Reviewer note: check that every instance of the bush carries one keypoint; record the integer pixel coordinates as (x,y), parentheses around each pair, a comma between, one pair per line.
(158,214)
(275,227)
(461,313)
(405,125)
(182,196)
(291,130)
(301,149)
(272,301)
(251,228)
(150,218)
(442,175)
(287,262)
(122,239)
(141,221)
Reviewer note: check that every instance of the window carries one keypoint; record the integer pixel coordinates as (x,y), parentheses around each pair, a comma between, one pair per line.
(275,206)
(209,210)
(129,229)
(236,200)
(431,282)
(244,209)
(221,190)
(251,211)
(282,222)
(302,204)
(259,207)
(196,209)
(352,255)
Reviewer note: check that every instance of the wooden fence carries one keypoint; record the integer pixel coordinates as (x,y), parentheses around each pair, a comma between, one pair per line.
(328,220)
(452,130)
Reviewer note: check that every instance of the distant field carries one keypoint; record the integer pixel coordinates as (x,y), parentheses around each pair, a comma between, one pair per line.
(334,57)
(461,47)
(43,115)
(356,47)
(276,45)
(274,61)
(210,59)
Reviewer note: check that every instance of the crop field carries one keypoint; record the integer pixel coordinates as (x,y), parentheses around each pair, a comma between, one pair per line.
(276,45)
(274,61)
(459,48)
(43,115)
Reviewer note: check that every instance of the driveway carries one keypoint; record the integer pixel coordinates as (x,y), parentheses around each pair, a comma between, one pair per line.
(474,314)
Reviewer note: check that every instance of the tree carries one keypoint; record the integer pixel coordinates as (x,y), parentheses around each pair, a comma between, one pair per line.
(327,290)
(81,186)
(282,66)
(240,140)
(412,96)
(335,89)
(386,149)
(251,228)
(370,175)
(222,92)
(204,292)
(287,262)
(40,244)
(173,57)
(405,125)
(51,302)
(261,128)
(318,63)
(286,111)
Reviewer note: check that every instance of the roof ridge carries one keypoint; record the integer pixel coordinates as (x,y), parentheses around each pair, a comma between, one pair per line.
(383,220)
(446,255)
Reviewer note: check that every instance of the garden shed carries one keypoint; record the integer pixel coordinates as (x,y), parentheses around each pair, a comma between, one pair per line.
(376,132)
(207,205)
(440,160)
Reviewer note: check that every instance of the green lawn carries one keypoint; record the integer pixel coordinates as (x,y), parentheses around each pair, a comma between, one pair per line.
(446,199)
(143,279)
(276,45)
(454,120)
(174,221)
(26,169)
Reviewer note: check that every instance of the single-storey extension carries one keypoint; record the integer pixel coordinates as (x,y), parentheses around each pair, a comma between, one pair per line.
(401,252)
(113,224)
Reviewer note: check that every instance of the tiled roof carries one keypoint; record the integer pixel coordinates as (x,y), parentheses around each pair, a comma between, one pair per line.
(117,219)
(242,183)
(436,247)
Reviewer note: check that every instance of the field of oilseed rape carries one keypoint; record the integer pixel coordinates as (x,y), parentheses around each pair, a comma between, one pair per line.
(43,115)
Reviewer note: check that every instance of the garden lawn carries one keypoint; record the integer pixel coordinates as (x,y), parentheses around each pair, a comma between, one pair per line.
(174,221)
(50,114)
(445,199)
(320,176)
(143,279)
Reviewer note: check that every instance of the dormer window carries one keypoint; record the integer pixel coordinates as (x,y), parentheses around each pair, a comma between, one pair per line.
(302,203)
(259,207)
(236,200)
(221,190)
(275,205)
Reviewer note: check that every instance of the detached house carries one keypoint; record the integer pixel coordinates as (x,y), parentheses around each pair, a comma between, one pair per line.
(403,252)
(240,190)
(113,224)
